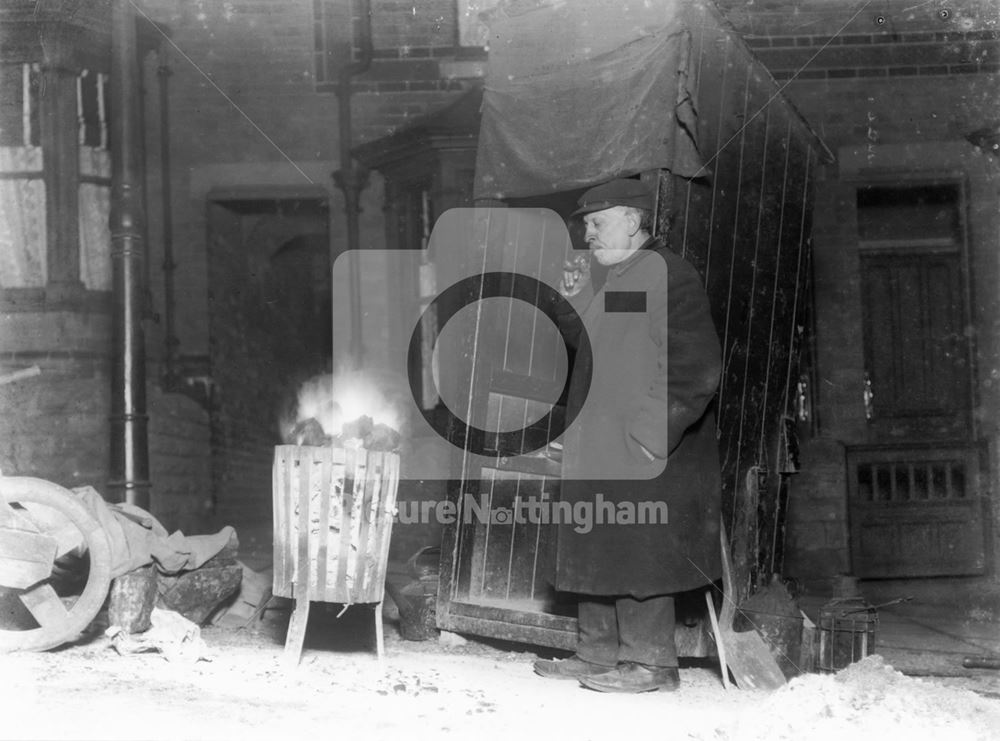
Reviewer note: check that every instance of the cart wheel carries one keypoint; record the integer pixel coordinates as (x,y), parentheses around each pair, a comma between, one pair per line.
(53,511)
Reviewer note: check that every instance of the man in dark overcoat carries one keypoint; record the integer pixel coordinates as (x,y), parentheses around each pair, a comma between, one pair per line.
(653,371)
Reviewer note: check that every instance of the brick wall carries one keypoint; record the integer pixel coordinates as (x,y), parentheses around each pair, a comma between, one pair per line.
(241,92)
(55,424)
(884,54)
(870,114)
(900,91)
(179,467)
(244,91)
(253,105)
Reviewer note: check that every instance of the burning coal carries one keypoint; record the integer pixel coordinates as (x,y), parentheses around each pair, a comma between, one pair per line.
(346,410)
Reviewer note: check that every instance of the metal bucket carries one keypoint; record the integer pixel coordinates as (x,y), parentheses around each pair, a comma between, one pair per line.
(333,512)
(417,603)
(846,633)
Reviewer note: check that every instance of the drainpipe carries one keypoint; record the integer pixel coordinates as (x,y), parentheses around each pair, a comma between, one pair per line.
(169,265)
(351,178)
(129,480)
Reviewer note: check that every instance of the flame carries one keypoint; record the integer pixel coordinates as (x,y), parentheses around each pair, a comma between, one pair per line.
(336,399)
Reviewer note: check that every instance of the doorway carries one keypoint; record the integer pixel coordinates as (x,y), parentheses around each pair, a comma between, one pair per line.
(269,287)
(913,484)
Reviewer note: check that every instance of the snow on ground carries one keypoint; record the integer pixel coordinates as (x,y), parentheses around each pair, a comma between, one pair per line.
(438,689)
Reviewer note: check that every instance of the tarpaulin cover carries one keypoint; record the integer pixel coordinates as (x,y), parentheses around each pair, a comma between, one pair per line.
(580,92)
(138,539)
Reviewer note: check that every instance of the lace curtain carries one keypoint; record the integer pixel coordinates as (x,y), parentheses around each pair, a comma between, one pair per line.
(23,229)
(22,219)
(95,209)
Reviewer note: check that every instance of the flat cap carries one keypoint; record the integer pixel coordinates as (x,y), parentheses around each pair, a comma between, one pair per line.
(621,192)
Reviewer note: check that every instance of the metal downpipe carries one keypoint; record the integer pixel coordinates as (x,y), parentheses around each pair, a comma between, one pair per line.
(351,178)
(129,473)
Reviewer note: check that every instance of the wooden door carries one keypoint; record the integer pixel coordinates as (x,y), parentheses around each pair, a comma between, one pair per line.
(916,349)
(913,486)
(495,578)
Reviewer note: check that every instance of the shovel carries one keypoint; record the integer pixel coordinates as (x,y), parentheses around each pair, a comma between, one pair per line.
(745,654)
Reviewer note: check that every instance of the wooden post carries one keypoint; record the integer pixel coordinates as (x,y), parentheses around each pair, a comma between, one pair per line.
(129,479)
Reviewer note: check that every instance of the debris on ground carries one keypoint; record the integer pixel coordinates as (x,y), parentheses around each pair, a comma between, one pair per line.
(421,690)
(171,634)
(451,640)
(248,602)
(873,696)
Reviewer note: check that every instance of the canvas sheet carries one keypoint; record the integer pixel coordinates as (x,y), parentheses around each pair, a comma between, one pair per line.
(584,91)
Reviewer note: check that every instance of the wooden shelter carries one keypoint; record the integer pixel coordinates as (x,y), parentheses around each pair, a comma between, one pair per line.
(733,164)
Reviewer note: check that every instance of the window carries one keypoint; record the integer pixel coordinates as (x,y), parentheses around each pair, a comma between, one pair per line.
(917,212)
(22,190)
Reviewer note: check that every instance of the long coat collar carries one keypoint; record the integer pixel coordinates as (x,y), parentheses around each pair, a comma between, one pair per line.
(638,256)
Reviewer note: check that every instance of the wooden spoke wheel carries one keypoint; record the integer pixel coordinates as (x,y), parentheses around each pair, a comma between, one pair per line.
(42,525)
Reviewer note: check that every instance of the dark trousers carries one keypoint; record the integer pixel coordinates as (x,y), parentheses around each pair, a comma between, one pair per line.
(614,629)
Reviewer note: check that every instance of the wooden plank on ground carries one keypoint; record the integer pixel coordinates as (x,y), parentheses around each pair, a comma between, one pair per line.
(25,557)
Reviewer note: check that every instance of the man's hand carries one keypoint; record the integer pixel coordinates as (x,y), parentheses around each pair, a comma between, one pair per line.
(576,274)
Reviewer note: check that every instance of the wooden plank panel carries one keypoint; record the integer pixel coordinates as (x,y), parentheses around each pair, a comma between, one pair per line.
(326,538)
(301,542)
(386,509)
(745,227)
(362,484)
(546,628)
(502,526)
(68,539)
(527,574)
(45,606)
(506,626)
(25,558)
(309,483)
(281,491)
(947,358)
(484,539)
(353,489)
(915,348)
(919,543)
(930,529)
(372,491)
